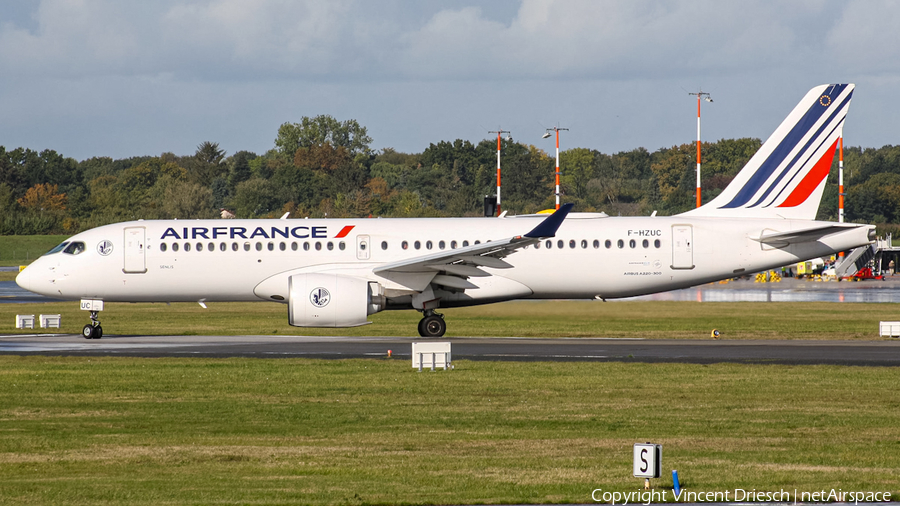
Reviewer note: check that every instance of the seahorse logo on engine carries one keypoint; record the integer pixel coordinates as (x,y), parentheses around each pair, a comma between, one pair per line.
(319,297)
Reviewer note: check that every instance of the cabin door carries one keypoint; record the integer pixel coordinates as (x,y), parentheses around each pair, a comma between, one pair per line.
(682,247)
(135,246)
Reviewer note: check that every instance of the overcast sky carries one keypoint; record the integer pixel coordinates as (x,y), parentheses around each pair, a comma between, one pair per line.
(125,78)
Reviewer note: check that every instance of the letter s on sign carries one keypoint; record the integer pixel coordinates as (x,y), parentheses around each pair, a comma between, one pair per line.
(645,465)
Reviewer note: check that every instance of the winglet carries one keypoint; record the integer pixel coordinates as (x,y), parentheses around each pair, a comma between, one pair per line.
(549,226)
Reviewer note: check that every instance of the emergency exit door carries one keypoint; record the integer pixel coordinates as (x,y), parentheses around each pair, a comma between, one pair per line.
(135,254)
(682,247)
(362,247)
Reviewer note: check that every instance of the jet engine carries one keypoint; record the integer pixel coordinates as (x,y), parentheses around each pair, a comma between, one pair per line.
(332,300)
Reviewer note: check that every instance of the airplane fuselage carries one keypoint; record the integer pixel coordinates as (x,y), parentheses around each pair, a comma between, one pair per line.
(251,260)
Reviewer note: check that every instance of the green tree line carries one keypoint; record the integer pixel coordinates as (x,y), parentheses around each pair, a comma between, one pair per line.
(323,167)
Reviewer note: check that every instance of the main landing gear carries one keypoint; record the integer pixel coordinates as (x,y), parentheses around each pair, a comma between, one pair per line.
(432,324)
(93,330)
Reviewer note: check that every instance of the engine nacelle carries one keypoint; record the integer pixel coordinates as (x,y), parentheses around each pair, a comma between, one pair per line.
(332,300)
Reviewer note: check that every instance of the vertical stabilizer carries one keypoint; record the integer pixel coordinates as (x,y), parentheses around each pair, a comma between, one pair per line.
(786,177)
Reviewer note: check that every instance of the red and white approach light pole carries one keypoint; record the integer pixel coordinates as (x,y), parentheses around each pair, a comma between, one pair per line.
(705,96)
(841,181)
(841,185)
(547,134)
(499,132)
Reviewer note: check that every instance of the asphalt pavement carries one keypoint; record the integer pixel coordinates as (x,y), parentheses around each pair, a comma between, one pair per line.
(799,352)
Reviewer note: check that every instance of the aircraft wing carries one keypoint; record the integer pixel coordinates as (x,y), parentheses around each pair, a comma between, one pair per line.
(453,268)
(803,235)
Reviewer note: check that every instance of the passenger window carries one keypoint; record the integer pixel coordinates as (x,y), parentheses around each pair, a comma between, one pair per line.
(537,245)
(187,246)
(442,245)
(259,246)
(174,246)
(646,243)
(404,245)
(330,246)
(549,244)
(572,243)
(162,247)
(282,246)
(234,246)
(223,246)
(620,243)
(465,244)
(477,242)
(319,246)
(294,246)
(74,248)
(342,245)
(246,246)
(656,243)
(383,244)
(584,243)
(417,245)
(271,246)
(427,244)
(212,246)
(306,246)
(452,244)
(596,244)
(560,244)
(608,244)
(632,243)
(199,246)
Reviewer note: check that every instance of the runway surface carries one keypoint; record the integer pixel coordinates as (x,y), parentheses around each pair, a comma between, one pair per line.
(861,353)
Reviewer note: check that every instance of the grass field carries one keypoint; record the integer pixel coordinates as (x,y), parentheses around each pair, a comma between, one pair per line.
(648,319)
(247,431)
(23,249)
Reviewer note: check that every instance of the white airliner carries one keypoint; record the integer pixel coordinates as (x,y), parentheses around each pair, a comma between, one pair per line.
(336,272)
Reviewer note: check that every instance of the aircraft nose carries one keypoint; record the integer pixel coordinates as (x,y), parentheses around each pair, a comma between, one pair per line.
(30,279)
(24,279)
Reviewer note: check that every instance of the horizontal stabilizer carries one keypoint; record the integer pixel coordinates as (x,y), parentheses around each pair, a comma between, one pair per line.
(802,235)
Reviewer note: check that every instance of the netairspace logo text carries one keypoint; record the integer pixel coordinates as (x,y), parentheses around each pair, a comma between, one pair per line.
(738,495)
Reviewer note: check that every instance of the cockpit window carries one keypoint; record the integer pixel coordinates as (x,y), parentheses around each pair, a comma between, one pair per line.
(74,248)
(58,248)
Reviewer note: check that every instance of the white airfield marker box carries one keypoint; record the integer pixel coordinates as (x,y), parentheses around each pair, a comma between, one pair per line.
(431,354)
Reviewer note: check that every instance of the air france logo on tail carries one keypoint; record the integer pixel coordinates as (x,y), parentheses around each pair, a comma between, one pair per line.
(786,177)
(802,153)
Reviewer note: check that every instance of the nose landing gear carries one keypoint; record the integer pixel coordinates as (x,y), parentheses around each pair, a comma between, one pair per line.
(432,324)
(93,330)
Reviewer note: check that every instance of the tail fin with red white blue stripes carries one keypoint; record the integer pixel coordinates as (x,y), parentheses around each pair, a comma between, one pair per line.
(786,177)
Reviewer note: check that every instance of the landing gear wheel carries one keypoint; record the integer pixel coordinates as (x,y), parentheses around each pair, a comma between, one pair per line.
(92,332)
(432,326)
(422,327)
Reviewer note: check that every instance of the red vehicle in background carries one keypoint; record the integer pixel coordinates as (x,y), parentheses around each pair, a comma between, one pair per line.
(863,274)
